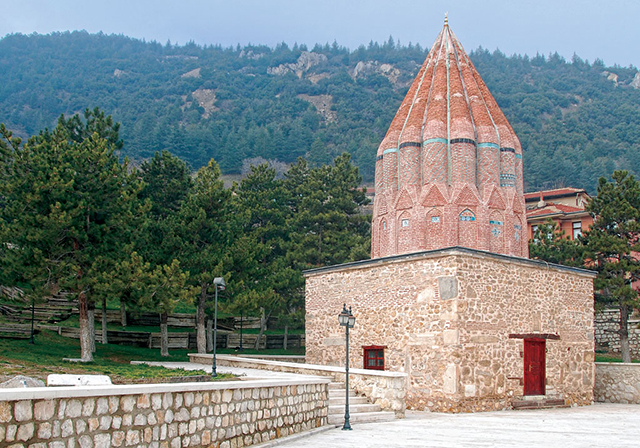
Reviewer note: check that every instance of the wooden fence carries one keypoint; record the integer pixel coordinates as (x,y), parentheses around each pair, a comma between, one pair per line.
(187,340)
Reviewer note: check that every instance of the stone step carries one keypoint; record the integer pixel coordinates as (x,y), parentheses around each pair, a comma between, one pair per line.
(336,385)
(340,393)
(548,403)
(354,408)
(366,417)
(337,401)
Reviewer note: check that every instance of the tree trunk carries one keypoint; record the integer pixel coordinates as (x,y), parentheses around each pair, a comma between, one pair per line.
(263,327)
(123,313)
(209,335)
(105,339)
(624,333)
(164,335)
(86,355)
(286,334)
(91,320)
(201,337)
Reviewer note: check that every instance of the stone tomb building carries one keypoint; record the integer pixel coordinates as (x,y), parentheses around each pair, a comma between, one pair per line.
(473,330)
(449,296)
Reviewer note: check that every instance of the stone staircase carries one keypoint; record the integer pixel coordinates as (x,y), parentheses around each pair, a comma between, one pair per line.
(551,399)
(361,410)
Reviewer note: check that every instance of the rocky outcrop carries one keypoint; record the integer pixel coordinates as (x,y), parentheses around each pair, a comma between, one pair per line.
(302,65)
(370,67)
(206,99)
(21,381)
(249,54)
(322,104)
(195,73)
(635,83)
(611,77)
(118,73)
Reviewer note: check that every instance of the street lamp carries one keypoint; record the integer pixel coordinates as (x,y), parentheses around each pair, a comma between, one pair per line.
(347,320)
(219,284)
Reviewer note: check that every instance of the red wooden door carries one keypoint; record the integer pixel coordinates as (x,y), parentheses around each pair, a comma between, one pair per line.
(534,366)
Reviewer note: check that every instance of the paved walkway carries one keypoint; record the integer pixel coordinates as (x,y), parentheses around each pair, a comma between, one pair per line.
(600,425)
(245,373)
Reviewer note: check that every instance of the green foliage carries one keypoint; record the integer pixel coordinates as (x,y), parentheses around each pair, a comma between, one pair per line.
(167,183)
(328,227)
(45,357)
(311,218)
(574,124)
(613,246)
(69,205)
(550,244)
(612,241)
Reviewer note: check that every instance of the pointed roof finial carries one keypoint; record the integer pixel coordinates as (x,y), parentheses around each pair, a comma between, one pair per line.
(446,19)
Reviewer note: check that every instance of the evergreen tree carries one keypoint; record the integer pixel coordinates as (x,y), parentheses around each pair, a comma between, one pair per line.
(167,288)
(167,183)
(70,205)
(549,243)
(326,225)
(205,232)
(261,277)
(613,246)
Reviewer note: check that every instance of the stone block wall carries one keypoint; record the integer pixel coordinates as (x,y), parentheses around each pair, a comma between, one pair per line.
(617,382)
(446,317)
(384,388)
(224,415)
(606,325)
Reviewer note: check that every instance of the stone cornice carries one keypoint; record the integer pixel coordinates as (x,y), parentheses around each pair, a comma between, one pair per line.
(447,252)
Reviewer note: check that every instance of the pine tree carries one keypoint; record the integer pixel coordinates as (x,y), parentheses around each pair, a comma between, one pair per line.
(327,226)
(70,206)
(204,232)
(261,277)
(613,246)
(167,288)
(549,243)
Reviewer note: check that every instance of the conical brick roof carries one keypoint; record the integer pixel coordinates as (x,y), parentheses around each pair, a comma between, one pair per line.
(449,133)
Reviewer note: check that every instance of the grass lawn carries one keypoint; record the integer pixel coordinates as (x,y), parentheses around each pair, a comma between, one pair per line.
(18,357)
(612,357)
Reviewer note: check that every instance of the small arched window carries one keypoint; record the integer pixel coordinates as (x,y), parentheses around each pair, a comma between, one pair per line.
(467,215)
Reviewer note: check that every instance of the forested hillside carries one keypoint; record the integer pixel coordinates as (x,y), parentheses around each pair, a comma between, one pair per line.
(576,120)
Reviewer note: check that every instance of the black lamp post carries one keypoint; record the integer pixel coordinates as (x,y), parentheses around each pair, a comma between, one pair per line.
(219,284)
(347,320)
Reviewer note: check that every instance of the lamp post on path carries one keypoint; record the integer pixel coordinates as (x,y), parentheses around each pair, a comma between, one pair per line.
(218,283)
(347,320)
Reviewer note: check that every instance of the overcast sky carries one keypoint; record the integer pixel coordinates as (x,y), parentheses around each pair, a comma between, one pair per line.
(605,29)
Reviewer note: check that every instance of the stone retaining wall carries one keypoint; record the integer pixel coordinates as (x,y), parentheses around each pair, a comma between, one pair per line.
(381,387)
(607,323)
(224,415)
(617,382)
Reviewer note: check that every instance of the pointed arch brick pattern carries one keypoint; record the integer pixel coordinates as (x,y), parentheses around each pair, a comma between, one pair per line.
(449,150)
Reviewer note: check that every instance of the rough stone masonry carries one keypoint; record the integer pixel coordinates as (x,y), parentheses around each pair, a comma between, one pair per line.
(455,321)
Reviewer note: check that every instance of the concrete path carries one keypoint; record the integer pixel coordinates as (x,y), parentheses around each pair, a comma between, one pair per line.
(600,425)
(246,374)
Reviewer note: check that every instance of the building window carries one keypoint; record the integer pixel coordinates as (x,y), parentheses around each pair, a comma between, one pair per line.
(577,229)
(384,225)
(405,223)
(373,357)
(435,219)
(467,215)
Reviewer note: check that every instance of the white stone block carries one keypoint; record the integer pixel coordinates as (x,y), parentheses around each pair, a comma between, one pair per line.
(23,411)
(102,441)
(56,379)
